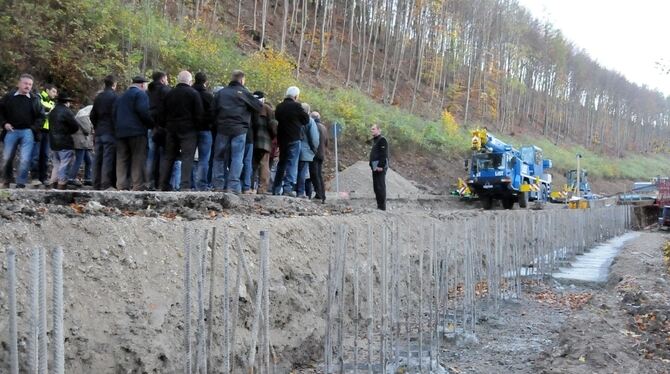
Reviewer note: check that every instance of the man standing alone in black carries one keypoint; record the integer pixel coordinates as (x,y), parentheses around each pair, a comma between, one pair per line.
(379,164)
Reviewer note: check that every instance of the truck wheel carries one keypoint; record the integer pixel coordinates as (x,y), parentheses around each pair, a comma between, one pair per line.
(508,203)
(487,202)
(523,200)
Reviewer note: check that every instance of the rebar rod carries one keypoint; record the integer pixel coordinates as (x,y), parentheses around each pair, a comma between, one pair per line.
(396,292)
(187,301)
(236,305)
(226,302)
(33,341)
(201,252)
(356,298)
(393,301)
(370,301)
(436,295)
(408,304)
(43,348)
(342,300)
(11,292)
(255,327)
(431,290)
(58,338)
(420,316)
(210,320)
(265,261)
(383,285)
(327,344)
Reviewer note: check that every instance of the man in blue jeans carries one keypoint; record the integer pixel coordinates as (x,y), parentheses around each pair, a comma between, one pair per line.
(104,169)
(204,132)
(291,119)
(41,150)
(62,125)
(21,114)
(231,111)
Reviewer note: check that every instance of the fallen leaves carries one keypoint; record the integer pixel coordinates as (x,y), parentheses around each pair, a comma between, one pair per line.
(78,208)
(573,301)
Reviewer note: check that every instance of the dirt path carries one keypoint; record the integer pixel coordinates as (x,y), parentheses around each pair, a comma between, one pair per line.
(625,328)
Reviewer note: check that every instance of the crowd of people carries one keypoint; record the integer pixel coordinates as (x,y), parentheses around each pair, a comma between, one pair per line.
(157,137)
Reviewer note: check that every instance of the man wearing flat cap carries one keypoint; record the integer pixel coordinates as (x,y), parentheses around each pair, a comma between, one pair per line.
(62,124)
(131,121)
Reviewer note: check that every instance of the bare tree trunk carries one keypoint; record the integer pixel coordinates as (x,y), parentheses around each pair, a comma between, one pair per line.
(409,13)
(351,41)
(255,13)
(344,26)
(327,19)
(303,26)
(263,21)
(311,44)
(284,24)
(239,12)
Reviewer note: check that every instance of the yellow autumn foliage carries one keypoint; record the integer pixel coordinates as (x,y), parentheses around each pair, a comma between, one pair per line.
(449,124)
(271,72)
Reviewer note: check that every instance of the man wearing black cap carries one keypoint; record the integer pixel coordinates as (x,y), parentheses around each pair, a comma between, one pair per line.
(62,124)
(131,121)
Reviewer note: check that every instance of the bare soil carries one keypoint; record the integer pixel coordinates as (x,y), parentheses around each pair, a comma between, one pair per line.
(123,285)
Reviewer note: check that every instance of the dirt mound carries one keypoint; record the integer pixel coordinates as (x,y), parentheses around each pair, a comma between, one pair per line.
(358,179)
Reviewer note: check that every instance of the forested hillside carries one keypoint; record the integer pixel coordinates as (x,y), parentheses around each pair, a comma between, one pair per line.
(442,66)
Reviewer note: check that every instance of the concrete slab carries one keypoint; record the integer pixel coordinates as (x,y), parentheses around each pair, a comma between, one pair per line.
(593,266)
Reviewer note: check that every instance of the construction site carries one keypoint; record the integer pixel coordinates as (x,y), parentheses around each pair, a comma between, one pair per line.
(151,282)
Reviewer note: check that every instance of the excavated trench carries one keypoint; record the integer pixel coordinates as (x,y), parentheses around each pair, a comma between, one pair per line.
(124,268)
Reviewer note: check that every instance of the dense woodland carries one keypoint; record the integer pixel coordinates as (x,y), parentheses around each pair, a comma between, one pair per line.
(484,62)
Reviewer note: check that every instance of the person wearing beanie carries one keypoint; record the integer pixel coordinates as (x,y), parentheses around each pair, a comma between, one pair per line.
(131,121)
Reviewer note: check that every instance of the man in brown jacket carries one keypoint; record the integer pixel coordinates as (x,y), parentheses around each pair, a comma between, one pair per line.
(265,130)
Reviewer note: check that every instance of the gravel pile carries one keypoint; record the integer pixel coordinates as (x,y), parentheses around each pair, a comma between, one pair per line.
(357,179)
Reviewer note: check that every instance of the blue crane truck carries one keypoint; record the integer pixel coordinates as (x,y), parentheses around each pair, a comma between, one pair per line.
(498,171)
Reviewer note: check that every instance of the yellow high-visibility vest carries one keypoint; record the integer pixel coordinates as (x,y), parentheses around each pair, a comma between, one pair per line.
(48,104)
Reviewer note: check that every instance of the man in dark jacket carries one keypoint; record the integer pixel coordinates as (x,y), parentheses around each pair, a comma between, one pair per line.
(131,121)
(21,115)
(232,109)
(291,119)
(316,166)
(62,124)
(204,132)
(379,155)
(104,174)
(157,91)
(183,113)
(265,130)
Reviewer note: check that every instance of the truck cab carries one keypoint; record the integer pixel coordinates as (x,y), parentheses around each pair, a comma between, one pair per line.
(664,217)
(500,172)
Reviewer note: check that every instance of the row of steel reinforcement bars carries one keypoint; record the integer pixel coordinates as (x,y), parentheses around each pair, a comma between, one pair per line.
(393,294)
(426,284)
